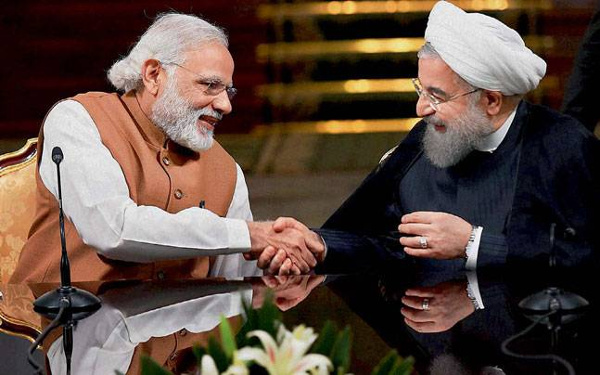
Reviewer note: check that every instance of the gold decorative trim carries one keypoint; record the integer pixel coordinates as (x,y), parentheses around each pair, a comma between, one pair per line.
(17,322)
(22,164)
(345,8)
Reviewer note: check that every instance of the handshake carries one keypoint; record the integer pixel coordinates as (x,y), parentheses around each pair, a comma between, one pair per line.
(284,246)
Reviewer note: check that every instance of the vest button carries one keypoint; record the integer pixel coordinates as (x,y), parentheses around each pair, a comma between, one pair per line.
(166,160)
(161,275)
(178,194)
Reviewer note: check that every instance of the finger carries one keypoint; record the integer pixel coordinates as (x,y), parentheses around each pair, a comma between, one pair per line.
(314,281)
(420,292)
(417,229)
(416,315)
(277,262)
(303,259)
(413,302)
(414,242)
(285,304)
(315,244)
(283,223)
(423,327)
(295,270)
(265,258)
(309,258)
(419,253)
(424,217)
(285,267)
(270,281)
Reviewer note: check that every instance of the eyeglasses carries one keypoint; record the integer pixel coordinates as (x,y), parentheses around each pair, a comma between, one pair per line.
(435,102)
(213,87)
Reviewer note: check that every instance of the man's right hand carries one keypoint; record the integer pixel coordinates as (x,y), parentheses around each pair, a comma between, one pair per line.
(298,246)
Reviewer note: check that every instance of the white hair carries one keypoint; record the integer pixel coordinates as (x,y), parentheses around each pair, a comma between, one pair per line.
(166,40)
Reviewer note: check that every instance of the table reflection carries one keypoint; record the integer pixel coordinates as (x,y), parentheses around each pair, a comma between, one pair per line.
(461,331)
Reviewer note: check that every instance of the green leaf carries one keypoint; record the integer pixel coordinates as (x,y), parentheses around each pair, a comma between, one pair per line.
(227,338)
(393,364)
(198,353)
(385,366)
(404,367)
(266,318)
(340,354)
(326,340)
(217,353)
(149,367)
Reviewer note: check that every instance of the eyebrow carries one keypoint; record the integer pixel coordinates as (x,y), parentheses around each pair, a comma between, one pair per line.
(437,91)
(212,79)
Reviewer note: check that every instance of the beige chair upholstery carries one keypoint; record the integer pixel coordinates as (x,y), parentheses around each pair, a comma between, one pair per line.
(17,204)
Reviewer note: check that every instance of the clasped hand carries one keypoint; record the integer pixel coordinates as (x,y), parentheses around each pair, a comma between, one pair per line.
(285,246)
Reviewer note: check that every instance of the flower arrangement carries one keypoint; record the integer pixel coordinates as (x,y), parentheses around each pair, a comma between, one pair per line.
(265,346)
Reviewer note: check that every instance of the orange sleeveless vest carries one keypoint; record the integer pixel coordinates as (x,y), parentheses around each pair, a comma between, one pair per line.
(158,173)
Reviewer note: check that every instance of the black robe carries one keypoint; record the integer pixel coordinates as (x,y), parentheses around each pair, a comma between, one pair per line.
(557,185)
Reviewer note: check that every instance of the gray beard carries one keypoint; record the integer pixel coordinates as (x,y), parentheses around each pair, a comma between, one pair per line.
(460,138)
(177,118)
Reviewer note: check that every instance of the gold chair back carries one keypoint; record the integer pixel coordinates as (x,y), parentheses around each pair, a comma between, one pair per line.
(17,204)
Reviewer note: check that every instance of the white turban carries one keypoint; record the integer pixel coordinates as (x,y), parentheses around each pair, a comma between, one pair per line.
(483,51)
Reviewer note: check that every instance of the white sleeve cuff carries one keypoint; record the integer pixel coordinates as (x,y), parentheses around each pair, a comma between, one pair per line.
(472,250)
(473,290)
(238,235)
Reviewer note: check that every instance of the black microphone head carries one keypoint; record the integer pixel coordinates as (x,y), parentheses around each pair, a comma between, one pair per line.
(57,155)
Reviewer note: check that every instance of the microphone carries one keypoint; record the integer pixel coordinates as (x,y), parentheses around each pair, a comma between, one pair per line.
(57,157)
(65,267)
(65,304)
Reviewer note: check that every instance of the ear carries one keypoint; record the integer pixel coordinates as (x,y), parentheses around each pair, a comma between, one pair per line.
(493,102)
(151,75)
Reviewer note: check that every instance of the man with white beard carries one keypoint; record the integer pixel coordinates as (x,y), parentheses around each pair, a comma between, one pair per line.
(147,191)
(486,178)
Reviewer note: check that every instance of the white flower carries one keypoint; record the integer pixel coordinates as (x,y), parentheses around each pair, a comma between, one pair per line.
(208,366)
(288,357)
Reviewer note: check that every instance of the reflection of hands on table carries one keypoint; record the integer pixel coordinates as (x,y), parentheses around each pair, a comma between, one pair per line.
(288,291)
(438,308)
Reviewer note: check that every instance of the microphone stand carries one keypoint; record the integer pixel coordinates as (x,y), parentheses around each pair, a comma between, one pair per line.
(79,303)
(553,307)
(553,298)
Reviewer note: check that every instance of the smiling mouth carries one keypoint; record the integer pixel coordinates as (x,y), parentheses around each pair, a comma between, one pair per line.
(439,128)
(209,122)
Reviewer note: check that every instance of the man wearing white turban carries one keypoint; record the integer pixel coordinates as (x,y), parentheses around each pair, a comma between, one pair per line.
(485,176)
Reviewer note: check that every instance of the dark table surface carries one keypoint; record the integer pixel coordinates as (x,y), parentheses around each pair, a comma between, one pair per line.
(166,318)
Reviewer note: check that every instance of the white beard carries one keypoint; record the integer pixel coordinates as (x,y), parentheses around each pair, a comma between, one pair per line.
(177,117)
(460,138)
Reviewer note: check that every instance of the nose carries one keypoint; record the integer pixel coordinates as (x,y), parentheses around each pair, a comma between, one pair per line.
(424,107)
(222,104)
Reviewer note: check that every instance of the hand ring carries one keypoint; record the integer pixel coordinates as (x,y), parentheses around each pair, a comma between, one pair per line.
(423,242)
(425,304)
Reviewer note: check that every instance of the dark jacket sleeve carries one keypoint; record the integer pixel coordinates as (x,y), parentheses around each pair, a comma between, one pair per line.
(557,198)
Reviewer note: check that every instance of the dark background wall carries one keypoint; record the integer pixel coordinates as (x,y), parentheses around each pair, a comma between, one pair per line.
(55,49)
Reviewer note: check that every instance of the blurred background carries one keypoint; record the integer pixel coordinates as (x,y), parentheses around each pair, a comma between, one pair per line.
(324,86)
